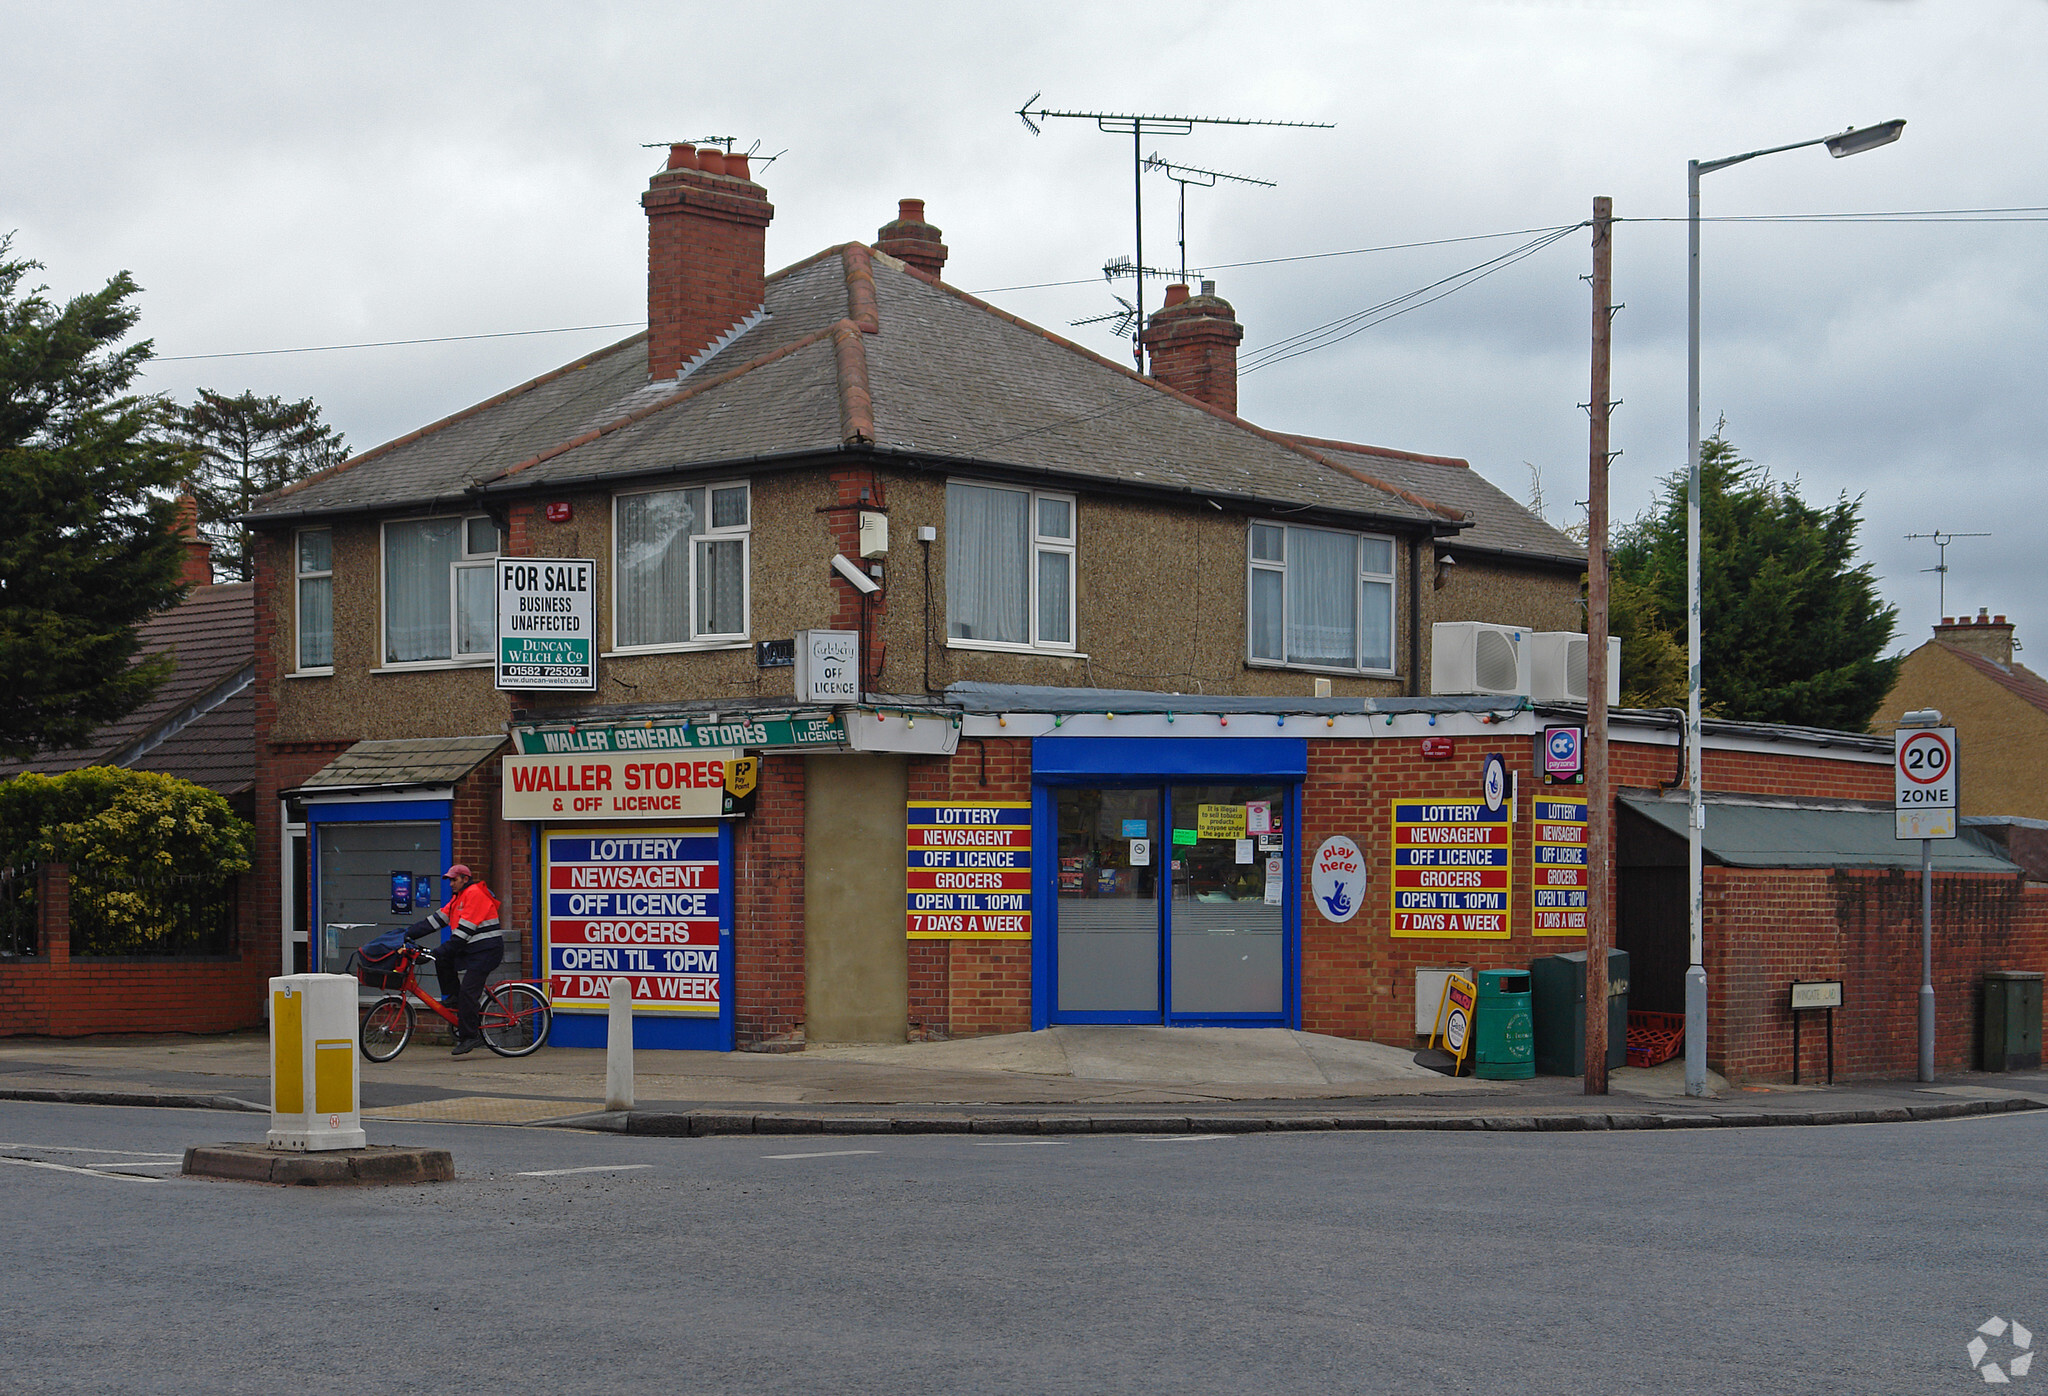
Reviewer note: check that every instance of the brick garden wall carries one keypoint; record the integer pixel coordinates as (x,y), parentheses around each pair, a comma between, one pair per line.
(1768,927)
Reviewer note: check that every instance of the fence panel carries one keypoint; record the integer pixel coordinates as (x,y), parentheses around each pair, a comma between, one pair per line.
(18,930)
(164,916)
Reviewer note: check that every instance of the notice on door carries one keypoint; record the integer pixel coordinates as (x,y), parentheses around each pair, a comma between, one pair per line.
(1452,871)
(970,871)
(1557,869)
(643,905)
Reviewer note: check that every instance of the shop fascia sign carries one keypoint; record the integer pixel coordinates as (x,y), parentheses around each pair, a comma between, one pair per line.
(615,785)
(794,732)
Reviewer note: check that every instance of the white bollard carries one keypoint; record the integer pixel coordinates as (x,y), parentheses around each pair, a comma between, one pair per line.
(618,1049)
(315,1092)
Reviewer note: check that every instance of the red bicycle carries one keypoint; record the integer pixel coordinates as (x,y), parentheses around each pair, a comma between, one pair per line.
(515,1016)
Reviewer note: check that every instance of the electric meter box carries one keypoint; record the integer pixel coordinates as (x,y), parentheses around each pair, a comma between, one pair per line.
(315,1091)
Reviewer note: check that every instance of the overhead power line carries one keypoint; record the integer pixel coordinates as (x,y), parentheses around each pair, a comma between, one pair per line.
(392,343)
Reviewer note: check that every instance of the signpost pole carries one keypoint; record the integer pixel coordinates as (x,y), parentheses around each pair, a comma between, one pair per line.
(1927,959)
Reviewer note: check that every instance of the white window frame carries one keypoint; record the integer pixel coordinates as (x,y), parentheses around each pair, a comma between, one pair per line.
(465,561)
(743,533)
(300,576)
(1361,574)
(1040,543)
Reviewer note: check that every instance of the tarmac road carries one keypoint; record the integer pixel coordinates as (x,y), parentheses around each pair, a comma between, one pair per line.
(1852,1259)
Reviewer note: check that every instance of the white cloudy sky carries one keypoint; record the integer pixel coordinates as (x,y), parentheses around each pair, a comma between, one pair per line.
(287,175)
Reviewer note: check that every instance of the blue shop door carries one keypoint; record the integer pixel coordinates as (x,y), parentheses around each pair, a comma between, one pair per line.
(1169,919)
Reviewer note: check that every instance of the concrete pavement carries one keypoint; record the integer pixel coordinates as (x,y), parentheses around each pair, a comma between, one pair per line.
(1146,1078)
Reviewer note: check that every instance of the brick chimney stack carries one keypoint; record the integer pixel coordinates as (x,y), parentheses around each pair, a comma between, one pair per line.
(198,569)
(1192,341)
(910,239)
(1987,637)
(707,253)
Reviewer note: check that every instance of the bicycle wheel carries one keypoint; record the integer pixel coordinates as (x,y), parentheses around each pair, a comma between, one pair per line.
(387,1027)
(515,1019)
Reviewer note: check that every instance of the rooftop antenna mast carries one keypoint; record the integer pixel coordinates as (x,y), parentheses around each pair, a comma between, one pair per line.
(1184,175)
(1940,568)
(1137,126)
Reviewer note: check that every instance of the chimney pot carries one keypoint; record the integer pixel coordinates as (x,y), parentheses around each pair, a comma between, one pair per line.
(1948,620)
(911,240)
(1193,346)
(706,255)
(1998,620)
(736,164)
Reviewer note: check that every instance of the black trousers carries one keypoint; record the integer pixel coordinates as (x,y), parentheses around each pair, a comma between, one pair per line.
(463,968)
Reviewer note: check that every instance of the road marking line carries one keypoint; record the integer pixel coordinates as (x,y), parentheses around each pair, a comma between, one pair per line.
(828,1153)
(1009,1143)
(592,1168)
(81,1172)
(1178,1138)
(73,1149)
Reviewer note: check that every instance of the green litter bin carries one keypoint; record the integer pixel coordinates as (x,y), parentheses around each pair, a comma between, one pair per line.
(1504,1046)
(2012,1019)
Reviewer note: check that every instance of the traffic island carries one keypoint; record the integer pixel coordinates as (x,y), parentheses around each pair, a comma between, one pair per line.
(374,1166)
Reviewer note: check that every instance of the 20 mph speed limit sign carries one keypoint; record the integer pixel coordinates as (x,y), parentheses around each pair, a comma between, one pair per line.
(1924,783)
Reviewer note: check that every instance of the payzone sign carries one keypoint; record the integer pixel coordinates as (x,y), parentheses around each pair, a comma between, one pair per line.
(643,905)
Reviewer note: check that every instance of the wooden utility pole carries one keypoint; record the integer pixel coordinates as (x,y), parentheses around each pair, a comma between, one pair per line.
(1599,808)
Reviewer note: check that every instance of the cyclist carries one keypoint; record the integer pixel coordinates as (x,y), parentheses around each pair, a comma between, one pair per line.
(473,949)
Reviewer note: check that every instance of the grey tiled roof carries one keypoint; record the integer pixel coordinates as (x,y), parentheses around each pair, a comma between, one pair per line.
(213,634)
(949,376)
(1498,523)
(411,761)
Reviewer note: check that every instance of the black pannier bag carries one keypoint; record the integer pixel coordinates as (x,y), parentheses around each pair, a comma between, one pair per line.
(380,961)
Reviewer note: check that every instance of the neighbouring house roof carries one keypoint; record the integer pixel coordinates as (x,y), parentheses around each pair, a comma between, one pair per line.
(1499,524)
(1745,834)
(2020,681)
(854,351)
(409,761)
(201,723)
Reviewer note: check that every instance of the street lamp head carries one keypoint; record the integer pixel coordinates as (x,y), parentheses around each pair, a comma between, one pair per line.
(1921,717)
(1855,142)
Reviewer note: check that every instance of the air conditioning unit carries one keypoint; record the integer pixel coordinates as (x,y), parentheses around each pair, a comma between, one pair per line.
(1557,667)
(1469,657)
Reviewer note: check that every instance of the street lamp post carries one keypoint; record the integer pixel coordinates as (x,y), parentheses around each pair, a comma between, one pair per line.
(1850,142)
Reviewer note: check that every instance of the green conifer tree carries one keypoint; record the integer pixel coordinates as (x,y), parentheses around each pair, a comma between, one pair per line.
(86,546)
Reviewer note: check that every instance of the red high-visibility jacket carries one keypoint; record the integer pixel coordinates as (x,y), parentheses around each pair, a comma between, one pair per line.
(471,916)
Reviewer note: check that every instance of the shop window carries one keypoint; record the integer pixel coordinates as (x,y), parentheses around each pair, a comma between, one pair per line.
(680,566)
(440,590)
(1009,567)
(315,551)
(1320,598)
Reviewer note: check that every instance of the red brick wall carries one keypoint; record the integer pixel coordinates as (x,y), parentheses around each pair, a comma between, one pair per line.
(968,988)
(768,911)
(57,996)
(1768,927)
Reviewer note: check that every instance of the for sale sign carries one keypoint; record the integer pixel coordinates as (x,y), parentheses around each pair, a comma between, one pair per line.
(1924,783)
(547,635)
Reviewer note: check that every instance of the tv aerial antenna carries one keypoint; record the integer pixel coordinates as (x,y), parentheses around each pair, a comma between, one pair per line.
(1940,568)
(1138,125)
(1184,175)
(752,152)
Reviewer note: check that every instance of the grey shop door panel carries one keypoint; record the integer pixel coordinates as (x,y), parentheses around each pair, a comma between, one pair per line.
(356,863)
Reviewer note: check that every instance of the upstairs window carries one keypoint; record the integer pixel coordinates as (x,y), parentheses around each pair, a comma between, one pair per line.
(440,594)
(1009,567)
(315,549)
(680,566)
(1320,598)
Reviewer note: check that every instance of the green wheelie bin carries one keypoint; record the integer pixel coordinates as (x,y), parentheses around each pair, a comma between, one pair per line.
(1504,1045)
